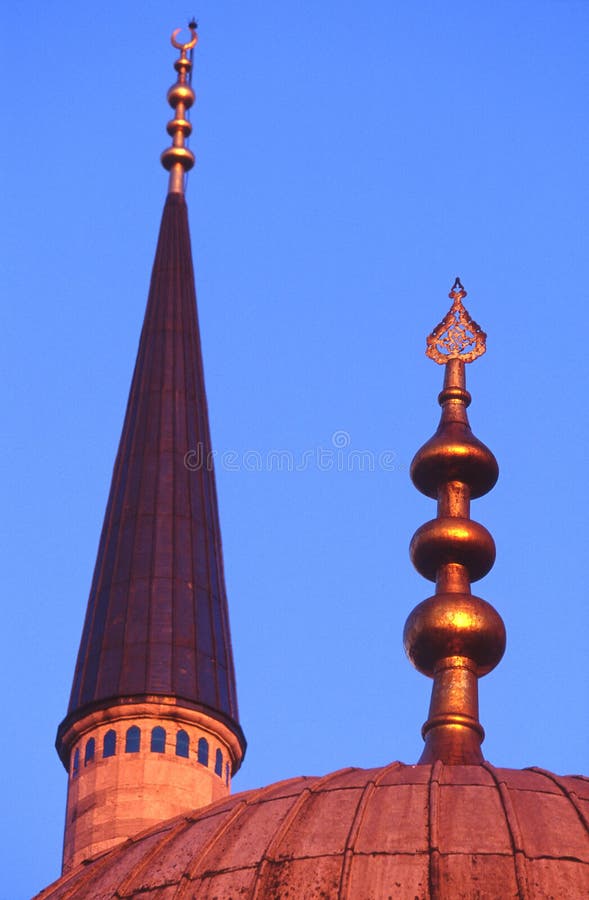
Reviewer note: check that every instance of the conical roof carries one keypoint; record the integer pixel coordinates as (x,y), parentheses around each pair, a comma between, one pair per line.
(157,620)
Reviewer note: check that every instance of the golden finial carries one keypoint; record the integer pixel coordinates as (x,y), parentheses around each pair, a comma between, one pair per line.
(454,637)
(457,336)
(178,159)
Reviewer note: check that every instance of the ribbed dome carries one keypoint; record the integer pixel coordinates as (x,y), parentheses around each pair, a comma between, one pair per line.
(399,831)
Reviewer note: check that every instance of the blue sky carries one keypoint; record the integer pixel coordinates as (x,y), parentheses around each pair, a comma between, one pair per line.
(351,161)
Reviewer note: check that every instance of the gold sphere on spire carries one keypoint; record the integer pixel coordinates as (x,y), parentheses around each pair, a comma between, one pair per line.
(452,539)
(454,625)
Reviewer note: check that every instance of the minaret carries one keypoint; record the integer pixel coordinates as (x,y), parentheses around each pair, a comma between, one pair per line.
(454,637)
(152,728)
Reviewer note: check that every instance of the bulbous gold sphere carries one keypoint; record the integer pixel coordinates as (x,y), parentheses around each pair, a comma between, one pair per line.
(183,64)
(182,125)
(449,625)
(452,539)
(181,93)
(454,454)
(173,155)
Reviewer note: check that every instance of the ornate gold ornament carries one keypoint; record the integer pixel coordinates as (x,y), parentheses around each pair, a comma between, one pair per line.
(457,336)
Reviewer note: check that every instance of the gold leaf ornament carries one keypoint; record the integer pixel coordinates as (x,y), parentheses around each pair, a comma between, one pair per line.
(457,336)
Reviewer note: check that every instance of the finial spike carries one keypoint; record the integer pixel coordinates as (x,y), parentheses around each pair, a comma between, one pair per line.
(457,336)
(454,637)
(178,159)
(456,288)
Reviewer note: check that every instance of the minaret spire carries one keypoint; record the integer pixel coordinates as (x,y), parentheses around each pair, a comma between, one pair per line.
(152,728)
(454,637)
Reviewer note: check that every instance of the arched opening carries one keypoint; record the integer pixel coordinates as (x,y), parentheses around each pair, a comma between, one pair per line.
(219,764)
(158,739)
(203,751)
(132,740)
(90,751)
(227,774)
(109,744)
(182,744)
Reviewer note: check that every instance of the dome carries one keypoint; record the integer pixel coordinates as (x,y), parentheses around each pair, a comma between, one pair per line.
(472,831)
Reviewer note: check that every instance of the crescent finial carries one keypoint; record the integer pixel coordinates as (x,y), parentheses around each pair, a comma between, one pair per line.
(191,43)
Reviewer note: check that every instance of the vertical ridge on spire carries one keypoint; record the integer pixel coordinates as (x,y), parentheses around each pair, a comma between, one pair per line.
(454,637)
